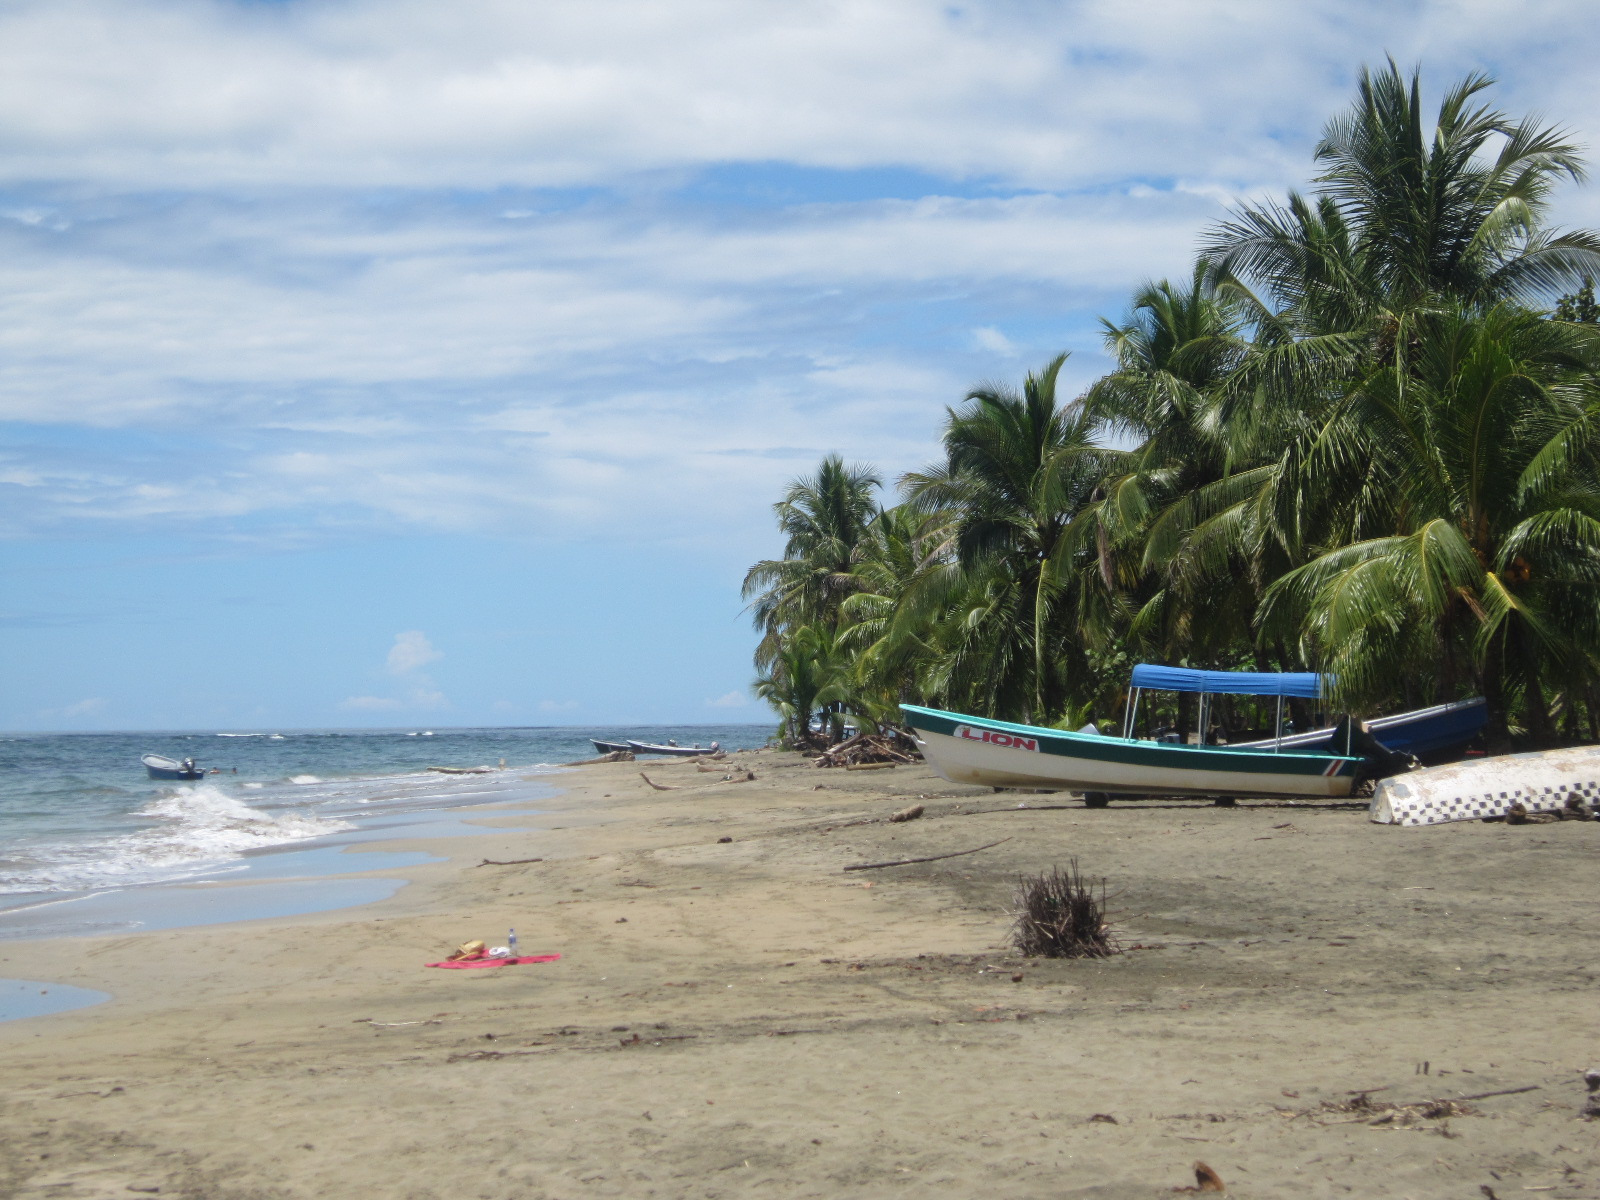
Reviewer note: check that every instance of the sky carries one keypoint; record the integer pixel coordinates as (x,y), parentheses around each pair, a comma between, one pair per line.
(397,363)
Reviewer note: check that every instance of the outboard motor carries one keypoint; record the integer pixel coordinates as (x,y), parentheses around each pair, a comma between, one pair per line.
(1352,737)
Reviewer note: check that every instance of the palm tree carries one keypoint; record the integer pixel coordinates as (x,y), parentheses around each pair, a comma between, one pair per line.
(804,676)
(1460,516)
(1402,218)
(1020,471)
(1175,355)
(825,518)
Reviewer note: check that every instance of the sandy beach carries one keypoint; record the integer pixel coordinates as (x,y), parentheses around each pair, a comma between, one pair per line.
(746,1018)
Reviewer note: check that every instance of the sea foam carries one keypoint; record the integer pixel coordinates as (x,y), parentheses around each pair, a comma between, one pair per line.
(195,829)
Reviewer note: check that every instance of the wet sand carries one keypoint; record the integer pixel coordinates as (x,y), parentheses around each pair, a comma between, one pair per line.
(746,1018)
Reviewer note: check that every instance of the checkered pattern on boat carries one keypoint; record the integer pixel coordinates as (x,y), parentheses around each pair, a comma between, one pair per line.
(1411,805)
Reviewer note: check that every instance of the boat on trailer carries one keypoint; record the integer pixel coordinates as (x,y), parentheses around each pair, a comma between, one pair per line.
(162,767)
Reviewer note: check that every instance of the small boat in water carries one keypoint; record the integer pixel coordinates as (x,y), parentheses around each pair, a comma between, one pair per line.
(161,767)
(672,748)
(611,747)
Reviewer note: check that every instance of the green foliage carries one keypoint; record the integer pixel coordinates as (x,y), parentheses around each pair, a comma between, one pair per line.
(1356,445)
(1579,306)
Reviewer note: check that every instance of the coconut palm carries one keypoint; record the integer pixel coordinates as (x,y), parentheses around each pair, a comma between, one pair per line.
(824,518)
(1020,471)
(805,676)
(1402,217)
(1461,516)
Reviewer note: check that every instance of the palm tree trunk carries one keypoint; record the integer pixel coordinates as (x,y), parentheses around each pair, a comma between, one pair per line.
(1491,681)
(1038,713)
(1544,735)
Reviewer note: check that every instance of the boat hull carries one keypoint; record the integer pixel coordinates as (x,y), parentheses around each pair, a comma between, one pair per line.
(160,767)
(610,747)
(675,751)
(975,750)
(1423,732)
(1487,787)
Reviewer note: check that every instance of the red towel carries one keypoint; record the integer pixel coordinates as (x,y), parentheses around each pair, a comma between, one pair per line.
(466,964)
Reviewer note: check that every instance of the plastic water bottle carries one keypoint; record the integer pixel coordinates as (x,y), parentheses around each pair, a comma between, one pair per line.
(511,942)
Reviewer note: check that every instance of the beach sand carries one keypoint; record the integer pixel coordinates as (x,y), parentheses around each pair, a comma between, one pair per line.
(746,1018)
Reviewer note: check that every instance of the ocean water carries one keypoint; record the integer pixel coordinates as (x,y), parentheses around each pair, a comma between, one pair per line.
(80,820)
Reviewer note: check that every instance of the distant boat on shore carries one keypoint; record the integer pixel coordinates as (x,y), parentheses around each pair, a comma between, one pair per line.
(162,767)
(672,748)
(611,747)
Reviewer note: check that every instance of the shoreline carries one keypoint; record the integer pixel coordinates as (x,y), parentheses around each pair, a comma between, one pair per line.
(744,1017)
(282,875)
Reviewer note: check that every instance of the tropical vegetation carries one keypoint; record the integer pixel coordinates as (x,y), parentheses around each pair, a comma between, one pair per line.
(1361,436)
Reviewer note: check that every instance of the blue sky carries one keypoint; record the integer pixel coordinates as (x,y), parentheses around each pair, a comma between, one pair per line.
(385,363)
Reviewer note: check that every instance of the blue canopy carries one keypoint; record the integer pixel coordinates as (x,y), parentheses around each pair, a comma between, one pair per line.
(1230,683)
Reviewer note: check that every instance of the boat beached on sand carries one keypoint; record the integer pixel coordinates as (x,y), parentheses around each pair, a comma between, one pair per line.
(605,747)
(673,748)
(968,749)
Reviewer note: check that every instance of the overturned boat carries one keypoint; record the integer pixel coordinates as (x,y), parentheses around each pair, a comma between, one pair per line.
(1565,781)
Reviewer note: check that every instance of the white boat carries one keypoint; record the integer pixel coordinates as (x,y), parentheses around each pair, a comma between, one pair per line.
(161,767)
(968,749)
(673,749)
(1543,781)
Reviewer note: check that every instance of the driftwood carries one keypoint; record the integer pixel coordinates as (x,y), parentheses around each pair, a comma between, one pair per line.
(741,777)
(890,746)
(906,862)
(462,770)
(879,766)
(510,862)
(1532,1087)
(614,756)
(906,814)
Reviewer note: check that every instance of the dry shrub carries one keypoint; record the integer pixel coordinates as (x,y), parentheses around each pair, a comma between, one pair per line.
(1060,916)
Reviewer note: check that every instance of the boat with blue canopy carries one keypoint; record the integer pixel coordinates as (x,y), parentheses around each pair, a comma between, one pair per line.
(1329,763)
(969,749)
(1424,732)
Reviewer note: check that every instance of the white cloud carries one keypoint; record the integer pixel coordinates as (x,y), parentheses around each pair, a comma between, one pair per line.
(990,338)
(410,651)
(84,708)
(409,92)
(420,359)
(370,703)
(729,700)
(551,706)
